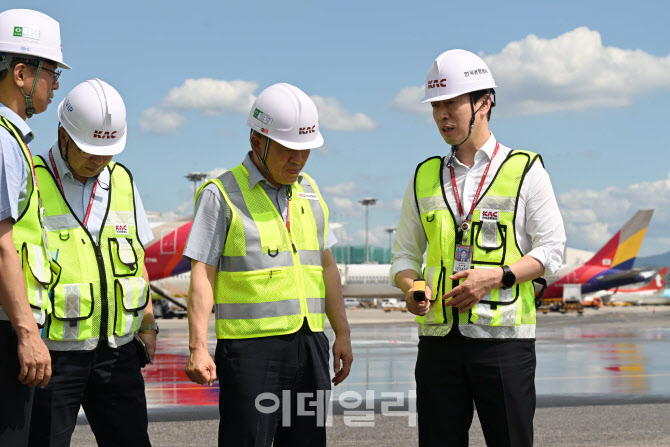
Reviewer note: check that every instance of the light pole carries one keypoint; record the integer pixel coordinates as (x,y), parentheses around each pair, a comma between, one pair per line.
(391,232)
(196,177)
(366,203)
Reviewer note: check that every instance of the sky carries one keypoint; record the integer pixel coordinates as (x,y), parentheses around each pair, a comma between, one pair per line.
(585,84)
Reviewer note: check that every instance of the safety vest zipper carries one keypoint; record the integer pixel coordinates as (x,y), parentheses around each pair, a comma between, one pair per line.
(104,314)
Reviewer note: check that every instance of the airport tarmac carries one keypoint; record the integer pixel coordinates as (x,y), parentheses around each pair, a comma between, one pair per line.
(603,379)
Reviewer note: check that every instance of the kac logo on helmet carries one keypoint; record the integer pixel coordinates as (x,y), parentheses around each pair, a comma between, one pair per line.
(104,135)
(306,130)
(437,83)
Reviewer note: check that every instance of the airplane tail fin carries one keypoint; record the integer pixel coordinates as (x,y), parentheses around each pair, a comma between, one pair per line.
(657,282)
(620,252)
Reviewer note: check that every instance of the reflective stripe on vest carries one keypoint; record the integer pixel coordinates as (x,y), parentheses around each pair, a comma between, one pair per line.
(263,287)
(501,314)
(39,272)
(101,285)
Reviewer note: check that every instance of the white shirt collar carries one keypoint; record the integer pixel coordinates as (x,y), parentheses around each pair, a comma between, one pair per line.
(487,149)
(18,122)
(483,154)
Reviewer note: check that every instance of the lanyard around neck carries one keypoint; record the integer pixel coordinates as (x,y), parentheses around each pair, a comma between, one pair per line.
(465,220)
(62,191)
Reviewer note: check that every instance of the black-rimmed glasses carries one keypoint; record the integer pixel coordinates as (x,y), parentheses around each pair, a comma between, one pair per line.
(55,74)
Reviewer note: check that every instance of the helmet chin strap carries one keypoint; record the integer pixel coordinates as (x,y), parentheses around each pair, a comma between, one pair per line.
(455,148)
(265,154)
(65,156)
(30,109)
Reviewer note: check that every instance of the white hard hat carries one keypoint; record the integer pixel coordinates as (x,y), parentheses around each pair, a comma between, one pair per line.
(28,33)
(94,116)
(285,114)
(456,72)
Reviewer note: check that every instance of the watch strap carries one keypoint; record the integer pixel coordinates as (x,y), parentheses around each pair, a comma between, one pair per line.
(149,327)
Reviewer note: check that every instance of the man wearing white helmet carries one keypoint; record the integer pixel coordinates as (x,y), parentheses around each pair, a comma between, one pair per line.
(96,229)
(30,52)
(260,253)
(490,222)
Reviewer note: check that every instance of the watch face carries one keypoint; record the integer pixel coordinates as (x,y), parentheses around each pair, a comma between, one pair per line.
(509,279)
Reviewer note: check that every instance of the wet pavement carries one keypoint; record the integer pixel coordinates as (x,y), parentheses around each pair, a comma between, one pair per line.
(614,357)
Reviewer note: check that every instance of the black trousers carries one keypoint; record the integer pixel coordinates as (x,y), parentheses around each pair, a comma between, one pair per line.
(273,389)
(107,383)
(16,399)
(453,373)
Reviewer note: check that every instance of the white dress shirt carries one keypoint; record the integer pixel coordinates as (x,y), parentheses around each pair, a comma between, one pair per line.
(538,222)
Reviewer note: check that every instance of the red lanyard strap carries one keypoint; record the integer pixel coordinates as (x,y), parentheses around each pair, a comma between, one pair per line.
(465,220)
(60,186)
(288,214)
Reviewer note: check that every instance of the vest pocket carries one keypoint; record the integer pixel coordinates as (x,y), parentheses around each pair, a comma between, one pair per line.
(132,294)
(491,240)
(123,256)
(40,274)
(498,308)
(72,302)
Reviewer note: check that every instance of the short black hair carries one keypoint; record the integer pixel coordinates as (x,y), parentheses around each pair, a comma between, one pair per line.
(16,60)
(479,94)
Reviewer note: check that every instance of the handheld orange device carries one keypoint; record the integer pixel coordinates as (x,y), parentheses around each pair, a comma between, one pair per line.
(419,290)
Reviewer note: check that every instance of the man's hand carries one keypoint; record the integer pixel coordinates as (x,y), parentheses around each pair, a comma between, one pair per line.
(343,357)
(477,284)
(149,339)
(34,359)
(418,307)
(200,368)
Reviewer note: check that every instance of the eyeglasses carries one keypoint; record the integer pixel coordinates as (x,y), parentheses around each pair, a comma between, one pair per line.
(55,74)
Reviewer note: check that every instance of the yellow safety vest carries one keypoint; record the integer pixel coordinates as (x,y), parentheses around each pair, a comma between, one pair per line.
(101,293)
(39,272)
(269,281)
(503,313)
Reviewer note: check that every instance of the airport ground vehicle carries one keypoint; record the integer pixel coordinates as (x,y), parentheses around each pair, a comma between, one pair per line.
(351,303)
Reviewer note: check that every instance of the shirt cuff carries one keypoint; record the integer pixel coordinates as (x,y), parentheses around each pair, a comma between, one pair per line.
(200,257)
(543,255)
(398,265)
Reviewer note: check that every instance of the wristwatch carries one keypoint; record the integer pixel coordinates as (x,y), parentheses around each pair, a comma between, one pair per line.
(509,278)
(149,327)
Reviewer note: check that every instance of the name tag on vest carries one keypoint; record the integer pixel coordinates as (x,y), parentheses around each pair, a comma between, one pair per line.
(308,195)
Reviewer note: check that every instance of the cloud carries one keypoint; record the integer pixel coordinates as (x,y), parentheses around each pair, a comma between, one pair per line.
(347,207)
(573,71)
(396,204)
(408,100)
(334,117)
(210,97)
(216,172)
(160,121)
(591,217)
(343,189)
(213,97)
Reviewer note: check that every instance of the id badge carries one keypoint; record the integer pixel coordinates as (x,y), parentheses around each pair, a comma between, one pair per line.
(462,258)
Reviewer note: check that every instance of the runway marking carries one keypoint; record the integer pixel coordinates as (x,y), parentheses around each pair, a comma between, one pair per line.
(348,384)
(603,377)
